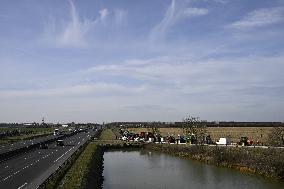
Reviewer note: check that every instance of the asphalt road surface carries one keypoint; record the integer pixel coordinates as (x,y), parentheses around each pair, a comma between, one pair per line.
(31,169)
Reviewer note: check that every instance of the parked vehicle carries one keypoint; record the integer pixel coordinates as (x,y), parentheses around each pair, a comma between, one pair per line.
(171,139)
(208,140)
(181,139)
(244,141)
(224,141)
(191,138)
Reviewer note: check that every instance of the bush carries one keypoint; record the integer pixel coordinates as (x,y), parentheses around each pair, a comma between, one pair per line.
(276,136)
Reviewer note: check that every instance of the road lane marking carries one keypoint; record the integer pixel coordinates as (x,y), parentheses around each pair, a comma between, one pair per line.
(23,185)
(24,167)
(7,177)
(63,154)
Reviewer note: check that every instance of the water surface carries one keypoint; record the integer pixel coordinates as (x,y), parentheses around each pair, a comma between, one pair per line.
(144,169)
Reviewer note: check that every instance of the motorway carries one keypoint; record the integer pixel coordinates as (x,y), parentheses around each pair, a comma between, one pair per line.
(31,169)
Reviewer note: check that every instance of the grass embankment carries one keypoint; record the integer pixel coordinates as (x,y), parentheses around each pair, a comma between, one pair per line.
(80,175)
(76,175)
(264,161)
(28,133)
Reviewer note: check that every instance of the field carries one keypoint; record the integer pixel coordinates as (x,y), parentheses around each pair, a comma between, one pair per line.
(26,133)
(253,133)
(107,135)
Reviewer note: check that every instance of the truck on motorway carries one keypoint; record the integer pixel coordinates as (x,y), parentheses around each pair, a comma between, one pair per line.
(56,132)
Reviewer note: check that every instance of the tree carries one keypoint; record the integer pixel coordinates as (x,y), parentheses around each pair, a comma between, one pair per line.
(155,129)
(193,126)
(276,136)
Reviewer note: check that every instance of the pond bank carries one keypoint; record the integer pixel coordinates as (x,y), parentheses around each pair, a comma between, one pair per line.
(263,161)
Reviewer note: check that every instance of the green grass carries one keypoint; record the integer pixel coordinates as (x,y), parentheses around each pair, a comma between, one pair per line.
(22,129)
(74,178)
(107,134)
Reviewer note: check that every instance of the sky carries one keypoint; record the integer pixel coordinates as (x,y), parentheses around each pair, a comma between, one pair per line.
(137,60)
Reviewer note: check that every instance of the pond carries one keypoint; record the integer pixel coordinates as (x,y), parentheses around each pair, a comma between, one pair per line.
(144,169)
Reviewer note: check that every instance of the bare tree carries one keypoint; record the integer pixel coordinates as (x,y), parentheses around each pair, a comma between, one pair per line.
(276,136)
(193,126)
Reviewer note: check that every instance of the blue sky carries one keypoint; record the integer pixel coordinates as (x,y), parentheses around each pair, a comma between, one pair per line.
(126,60)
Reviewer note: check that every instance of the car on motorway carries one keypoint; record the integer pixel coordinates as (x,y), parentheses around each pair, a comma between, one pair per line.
(59,143)
(43,146)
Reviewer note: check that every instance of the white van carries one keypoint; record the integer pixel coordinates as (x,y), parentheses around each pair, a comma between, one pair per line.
(224,141)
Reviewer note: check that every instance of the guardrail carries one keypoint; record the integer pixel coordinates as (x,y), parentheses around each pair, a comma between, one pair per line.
(16,152)
(58,174)
(61,170)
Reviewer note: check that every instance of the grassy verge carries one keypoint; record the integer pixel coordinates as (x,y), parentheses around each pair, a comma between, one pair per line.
(74,177)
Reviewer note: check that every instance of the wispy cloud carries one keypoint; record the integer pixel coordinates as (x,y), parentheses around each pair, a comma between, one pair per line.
(175,13)
(95,89)
(198,76)
(259,18)
(120,16)
(103,14)
(75,32)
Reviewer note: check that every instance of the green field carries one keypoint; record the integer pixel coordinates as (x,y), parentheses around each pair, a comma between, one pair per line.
(32,132)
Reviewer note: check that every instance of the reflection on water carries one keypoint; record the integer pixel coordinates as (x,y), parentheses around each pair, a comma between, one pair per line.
(144,169)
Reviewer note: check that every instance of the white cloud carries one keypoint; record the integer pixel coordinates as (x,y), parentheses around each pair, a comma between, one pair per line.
(108,89)
(73,34)
(203,76)
(175,13)
(103,14)
(213,89)
(189,12)
(259,18)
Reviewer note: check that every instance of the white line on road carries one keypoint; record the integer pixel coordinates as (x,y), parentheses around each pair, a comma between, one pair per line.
(23,186)
(25,167)
(7,177)
(63,154)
